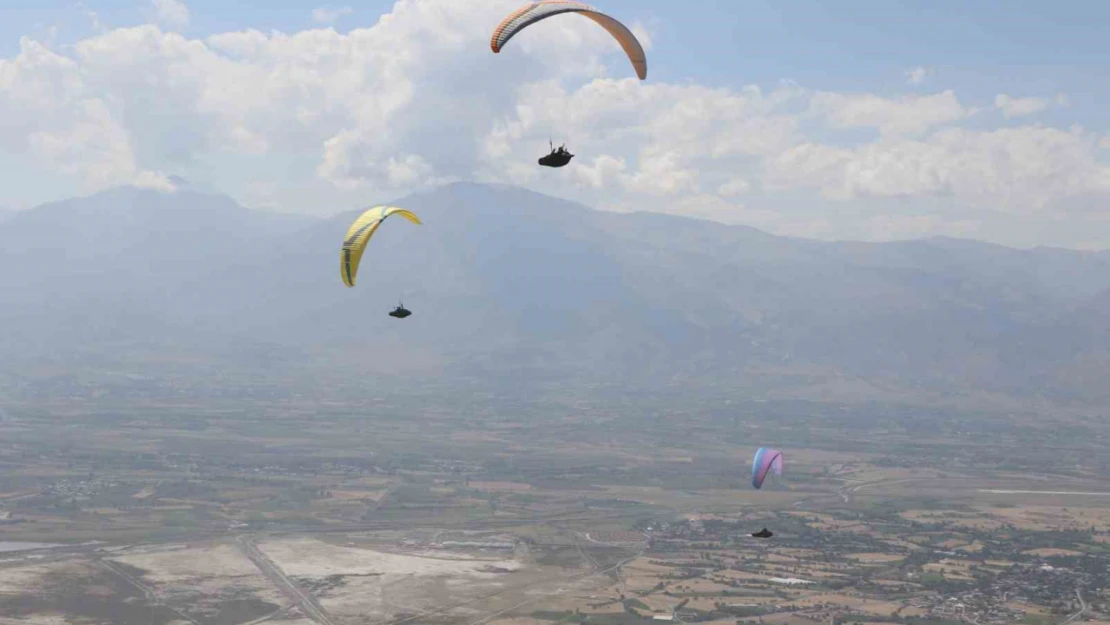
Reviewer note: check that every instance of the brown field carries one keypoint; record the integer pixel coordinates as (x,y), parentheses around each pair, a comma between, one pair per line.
(644,566)
(1052,552)
(144,493)
(972,547)
(743,575)
(357,495)
(783,619)
(610,608)
(501,486)
(373,481)
(660,603)
(954,569)
(703,586)
(902,544)
(617,537)
(519,620)
(703,603)
(800,553)
(876,557)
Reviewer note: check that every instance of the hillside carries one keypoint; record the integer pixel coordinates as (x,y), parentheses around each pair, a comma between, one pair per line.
(511,288)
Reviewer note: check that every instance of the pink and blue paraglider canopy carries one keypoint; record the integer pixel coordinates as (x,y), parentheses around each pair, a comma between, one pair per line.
(766,460)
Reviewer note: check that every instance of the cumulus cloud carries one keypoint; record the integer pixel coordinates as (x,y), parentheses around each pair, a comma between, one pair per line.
(651,139)
(48,111)
(328,14)
(417,99)
(1012,169)
(1019,107)
(909,115)
(171,13)
(734,187)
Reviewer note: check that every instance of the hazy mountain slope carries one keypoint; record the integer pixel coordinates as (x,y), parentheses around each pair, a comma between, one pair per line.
(516,287)
(118,269)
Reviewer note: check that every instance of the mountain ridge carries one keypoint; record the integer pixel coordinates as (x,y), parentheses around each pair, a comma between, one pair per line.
(513,287)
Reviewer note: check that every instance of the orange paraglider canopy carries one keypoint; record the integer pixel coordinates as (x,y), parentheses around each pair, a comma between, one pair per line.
(530,14)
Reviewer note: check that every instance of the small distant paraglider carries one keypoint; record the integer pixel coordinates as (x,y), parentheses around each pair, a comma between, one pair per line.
(766,461)
(400,312)
(558,157)
(358,236)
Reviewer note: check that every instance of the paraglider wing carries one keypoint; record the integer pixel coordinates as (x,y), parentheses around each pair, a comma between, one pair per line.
(765,460)
(530,14)
(358,235)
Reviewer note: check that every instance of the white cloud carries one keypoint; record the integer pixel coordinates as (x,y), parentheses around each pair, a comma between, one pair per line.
(408,171)
(650,139)
(1019,107)
(909,115)
(171,13)
(1012,169)
(328,14)
(418,98)
(46,109)
(917,75)
(663,172)
(602,172)
(154,180)
(734,187)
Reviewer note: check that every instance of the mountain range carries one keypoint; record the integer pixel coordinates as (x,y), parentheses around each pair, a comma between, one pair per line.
(513,288)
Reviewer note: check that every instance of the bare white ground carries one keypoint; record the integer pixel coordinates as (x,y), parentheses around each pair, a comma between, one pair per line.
(315,558)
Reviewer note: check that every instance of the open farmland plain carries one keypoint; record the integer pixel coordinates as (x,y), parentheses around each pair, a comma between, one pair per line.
(403,510)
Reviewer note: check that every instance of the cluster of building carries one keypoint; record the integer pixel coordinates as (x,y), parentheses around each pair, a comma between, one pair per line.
(81,488)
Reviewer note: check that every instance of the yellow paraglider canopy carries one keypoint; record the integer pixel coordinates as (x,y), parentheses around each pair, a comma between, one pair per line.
(530,14)
(359,235)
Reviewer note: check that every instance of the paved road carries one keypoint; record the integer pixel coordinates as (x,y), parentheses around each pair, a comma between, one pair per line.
(1081,612)
(273,572)
(151,596)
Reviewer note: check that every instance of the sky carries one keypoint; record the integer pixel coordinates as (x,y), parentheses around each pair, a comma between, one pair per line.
(872,120)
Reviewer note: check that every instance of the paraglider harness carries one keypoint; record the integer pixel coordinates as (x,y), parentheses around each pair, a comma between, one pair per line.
(400,312)
(557,158)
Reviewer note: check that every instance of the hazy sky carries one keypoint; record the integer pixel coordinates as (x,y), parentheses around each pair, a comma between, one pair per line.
(849,119)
